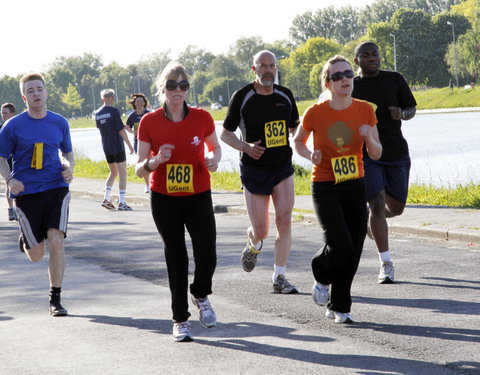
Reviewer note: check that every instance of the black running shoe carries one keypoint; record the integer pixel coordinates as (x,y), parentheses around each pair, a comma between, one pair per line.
(56,309)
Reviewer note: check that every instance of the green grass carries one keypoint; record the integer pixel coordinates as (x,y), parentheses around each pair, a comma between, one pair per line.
(447,98)
(462,196)
(426,99)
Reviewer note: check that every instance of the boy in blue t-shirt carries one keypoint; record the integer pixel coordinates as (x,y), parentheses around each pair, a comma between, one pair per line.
(39,180)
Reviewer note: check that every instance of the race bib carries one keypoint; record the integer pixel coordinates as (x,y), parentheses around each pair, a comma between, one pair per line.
(37,157)
(180,178)
(345,168)
(135,126)
(276,133)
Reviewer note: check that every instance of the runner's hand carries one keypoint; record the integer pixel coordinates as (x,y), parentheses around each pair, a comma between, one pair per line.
(15,186)
(316,157)
(254,150)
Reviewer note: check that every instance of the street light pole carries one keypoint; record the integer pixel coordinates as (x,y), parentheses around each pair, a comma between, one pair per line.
(394,53)
(454,50)
(93,100)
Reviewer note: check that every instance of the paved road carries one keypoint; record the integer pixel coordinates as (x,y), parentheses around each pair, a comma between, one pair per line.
(119,304)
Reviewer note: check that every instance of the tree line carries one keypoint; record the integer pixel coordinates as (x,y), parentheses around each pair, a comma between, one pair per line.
(429,41)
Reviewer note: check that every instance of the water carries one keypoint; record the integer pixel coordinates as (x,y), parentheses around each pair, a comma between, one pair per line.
(444,148)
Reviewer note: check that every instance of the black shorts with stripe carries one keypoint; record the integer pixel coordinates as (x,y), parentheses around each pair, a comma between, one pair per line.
(39,212)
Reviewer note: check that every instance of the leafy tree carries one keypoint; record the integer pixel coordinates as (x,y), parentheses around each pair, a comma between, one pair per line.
(340,25)
(466,54)
(72,99)
(298,66)
(243,50)
(10,92)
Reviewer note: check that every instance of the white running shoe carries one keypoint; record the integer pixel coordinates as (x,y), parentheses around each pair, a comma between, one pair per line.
(387,273)
(208,318)
(340,318)
(320,294)
(181,331)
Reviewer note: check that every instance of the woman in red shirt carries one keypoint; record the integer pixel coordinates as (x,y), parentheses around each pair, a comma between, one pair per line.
(341,126)
(171,147)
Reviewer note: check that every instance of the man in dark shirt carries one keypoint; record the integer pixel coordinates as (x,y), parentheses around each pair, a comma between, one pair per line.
(387,178)
(113,135)
(265,113)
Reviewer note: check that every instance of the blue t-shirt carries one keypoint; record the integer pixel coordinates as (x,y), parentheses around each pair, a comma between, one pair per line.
(34,145)
(110,123)
(134,118)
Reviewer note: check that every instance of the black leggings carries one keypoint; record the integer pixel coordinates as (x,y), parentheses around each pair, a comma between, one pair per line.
(171,216)
(342,213)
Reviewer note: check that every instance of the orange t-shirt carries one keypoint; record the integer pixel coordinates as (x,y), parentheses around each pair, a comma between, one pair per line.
(336,134)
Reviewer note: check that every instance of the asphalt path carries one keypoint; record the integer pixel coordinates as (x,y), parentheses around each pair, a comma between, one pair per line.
(116,291)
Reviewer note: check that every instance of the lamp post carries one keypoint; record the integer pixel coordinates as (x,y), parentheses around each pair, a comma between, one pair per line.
(394,52)
(228,79)
(454,50)
(93,100)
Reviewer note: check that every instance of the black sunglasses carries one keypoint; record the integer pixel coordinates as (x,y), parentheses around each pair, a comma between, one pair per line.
(172,85)
(339,75)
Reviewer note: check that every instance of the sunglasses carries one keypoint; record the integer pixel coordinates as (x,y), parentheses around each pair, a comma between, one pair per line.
(172,85)
(337,76)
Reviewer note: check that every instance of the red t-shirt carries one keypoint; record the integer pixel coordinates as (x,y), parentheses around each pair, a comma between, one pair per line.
(185,173)
(336,134)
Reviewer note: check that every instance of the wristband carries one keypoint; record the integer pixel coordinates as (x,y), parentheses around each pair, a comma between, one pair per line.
(402,115)
(145,165)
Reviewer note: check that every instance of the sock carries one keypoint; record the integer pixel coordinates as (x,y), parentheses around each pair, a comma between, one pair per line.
(385,256)
(257,246)
(323,286)
(277,270)
(55,294)
(108,191)
(122,196)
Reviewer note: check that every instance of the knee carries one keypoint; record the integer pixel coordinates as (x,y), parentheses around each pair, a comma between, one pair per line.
(35,254)
(260,232)
(284,221)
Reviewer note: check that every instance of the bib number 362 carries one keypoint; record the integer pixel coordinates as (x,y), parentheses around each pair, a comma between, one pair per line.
(345,168)
(180,178)
(276,133)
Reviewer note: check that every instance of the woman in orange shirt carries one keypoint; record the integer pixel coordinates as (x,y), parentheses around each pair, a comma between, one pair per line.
(341,126)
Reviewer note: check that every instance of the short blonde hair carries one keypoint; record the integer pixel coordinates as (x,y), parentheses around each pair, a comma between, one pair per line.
(31,77)
(107,93)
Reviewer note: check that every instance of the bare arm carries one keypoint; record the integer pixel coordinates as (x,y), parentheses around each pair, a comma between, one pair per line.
(213,146)
(398,113)
(164,154)
(372,141)
(300,144)
(14,185)
(68,164)
(124,136)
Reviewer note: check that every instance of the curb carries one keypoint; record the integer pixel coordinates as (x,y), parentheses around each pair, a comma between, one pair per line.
(446,234)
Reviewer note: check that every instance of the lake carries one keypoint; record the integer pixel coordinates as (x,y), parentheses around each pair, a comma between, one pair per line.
(444,148)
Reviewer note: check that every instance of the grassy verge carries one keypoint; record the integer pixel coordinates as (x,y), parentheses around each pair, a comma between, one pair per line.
(426,99)
(462,196)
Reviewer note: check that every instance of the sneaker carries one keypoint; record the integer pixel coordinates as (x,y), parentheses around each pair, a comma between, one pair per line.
(387,273)
(12,214)
(56,309)
(108,205)
(282,286)
(124,207)
(340,318)
(249,256)
(320,294)
(146,190)
(207,315)
(181,331)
